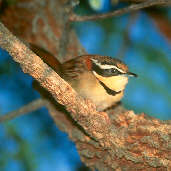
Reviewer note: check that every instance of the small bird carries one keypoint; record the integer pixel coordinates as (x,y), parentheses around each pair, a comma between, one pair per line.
(101,79)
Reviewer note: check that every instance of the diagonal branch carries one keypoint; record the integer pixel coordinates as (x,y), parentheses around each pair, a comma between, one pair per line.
(121,11)
(83,112)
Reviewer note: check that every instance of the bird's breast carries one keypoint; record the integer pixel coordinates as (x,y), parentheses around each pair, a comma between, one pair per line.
(89,87)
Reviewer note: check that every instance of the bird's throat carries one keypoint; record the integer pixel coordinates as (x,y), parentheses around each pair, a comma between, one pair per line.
(108,90)
(114,83)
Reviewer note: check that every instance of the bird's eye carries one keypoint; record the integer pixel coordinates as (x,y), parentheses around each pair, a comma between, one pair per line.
(114,70)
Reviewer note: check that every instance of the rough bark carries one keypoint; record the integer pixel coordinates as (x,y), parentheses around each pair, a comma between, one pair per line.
(116,140)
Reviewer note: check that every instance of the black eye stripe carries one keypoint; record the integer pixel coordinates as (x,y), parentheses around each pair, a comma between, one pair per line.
(105,72)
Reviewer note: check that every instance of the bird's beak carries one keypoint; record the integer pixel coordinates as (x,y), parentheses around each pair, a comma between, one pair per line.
(131,74)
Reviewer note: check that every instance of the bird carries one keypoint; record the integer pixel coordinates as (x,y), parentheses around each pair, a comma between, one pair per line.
(101,79)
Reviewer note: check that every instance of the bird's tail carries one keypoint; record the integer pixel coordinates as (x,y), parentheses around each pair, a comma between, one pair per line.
(46,56)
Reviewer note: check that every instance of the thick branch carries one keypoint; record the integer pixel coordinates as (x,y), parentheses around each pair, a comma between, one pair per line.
(122,11)
(83,112)
(124,140)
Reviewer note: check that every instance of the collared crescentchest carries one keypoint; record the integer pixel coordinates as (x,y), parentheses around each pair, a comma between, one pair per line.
(101,79)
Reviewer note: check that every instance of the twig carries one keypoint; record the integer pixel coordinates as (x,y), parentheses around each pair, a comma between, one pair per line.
(34,105)
(121,11)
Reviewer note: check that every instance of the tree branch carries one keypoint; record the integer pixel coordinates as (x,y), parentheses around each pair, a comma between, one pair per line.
(122,11)
(123,140)
(60,90)
(30,107)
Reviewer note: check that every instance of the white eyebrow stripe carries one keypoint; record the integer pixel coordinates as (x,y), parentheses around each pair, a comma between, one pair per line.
(106,66)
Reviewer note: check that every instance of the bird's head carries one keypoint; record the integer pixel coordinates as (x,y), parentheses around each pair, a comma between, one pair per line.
(111,72)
